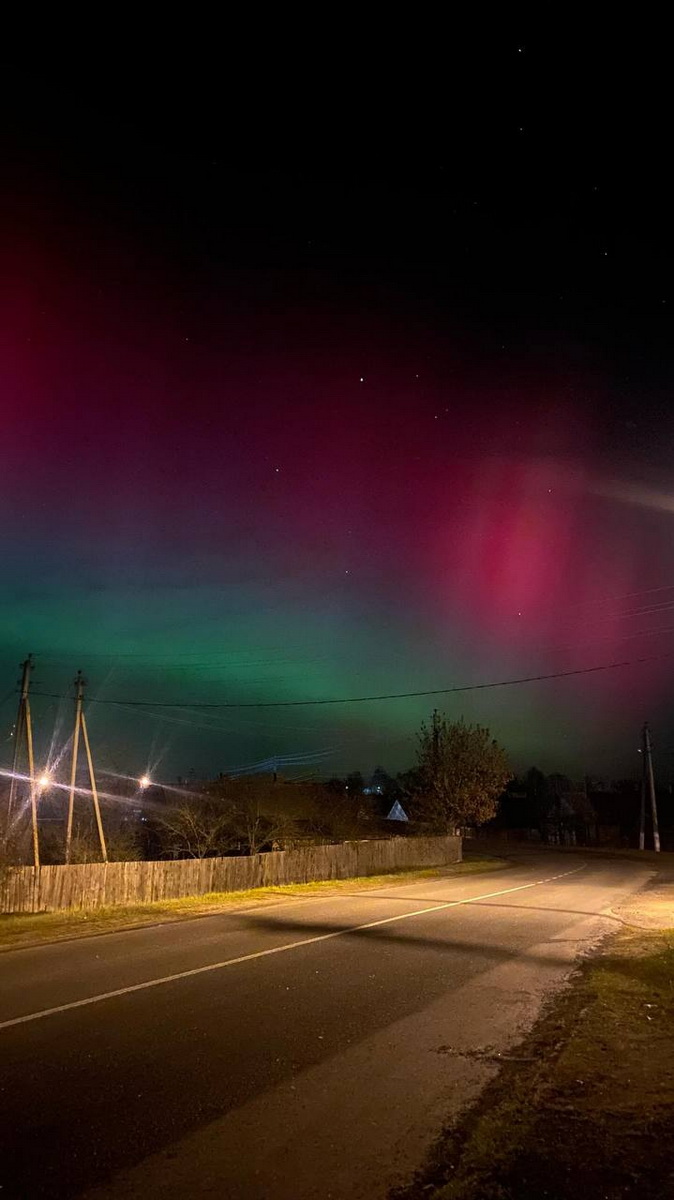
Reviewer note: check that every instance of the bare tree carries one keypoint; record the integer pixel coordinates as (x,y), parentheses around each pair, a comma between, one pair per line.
(257,826)
(265,811)
(197,830)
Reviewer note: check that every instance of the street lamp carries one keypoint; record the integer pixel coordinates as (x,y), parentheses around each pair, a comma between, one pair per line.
(44,781)
(144,782)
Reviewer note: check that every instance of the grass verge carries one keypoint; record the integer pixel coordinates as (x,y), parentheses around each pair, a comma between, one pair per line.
(34,928)
(587,1108)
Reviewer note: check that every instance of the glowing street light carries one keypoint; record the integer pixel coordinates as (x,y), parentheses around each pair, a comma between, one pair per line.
(44,781)
(144,782)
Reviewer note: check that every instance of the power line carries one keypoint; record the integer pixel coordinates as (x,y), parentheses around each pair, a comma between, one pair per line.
(470,687)
(618,637)
(667,587)
(215,725)
(151,658)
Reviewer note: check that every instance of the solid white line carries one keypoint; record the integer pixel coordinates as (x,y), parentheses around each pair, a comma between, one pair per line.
(232,962)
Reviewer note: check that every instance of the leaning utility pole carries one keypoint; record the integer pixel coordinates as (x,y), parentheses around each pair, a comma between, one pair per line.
(24,726)
(648,765)
(81,724)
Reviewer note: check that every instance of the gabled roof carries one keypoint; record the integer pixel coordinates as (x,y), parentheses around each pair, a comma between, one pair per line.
(397,812)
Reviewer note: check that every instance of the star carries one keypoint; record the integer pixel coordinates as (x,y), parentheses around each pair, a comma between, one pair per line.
(362,379)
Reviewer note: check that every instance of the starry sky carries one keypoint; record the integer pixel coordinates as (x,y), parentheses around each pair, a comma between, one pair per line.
(321,388)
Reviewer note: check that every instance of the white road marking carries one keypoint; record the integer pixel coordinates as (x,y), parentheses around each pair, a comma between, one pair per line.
(232,962)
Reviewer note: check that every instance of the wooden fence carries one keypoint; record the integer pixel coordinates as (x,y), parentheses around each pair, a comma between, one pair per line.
(94,885)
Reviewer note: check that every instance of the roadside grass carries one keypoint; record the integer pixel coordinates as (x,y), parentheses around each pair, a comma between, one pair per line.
(31,929)
(584,1107)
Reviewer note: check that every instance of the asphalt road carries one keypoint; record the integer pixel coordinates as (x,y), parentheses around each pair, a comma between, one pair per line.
(311,1048)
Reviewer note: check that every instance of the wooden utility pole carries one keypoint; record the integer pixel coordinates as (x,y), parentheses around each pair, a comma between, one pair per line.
(648,764)
(642,814)
(94,792)
(21,724)
(24,728)
(81,724)
(79,689)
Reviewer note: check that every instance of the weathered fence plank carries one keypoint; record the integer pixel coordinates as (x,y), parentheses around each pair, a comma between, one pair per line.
(95,885)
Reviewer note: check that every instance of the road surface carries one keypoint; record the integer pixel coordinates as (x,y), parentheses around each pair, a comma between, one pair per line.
(310,1048)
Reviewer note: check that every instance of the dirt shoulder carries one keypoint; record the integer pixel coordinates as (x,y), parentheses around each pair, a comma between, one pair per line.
(35,929)
(653,907)
(585,1106)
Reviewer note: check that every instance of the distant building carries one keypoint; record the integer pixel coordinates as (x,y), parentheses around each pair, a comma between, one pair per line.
(385,802)
(397,812)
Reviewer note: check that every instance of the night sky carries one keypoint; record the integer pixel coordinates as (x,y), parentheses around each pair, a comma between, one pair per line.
(339,384)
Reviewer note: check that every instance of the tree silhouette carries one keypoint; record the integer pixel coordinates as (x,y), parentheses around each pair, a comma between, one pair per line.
(461,772)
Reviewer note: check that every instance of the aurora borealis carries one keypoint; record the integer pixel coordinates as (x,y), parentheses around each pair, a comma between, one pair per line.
(269,434)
